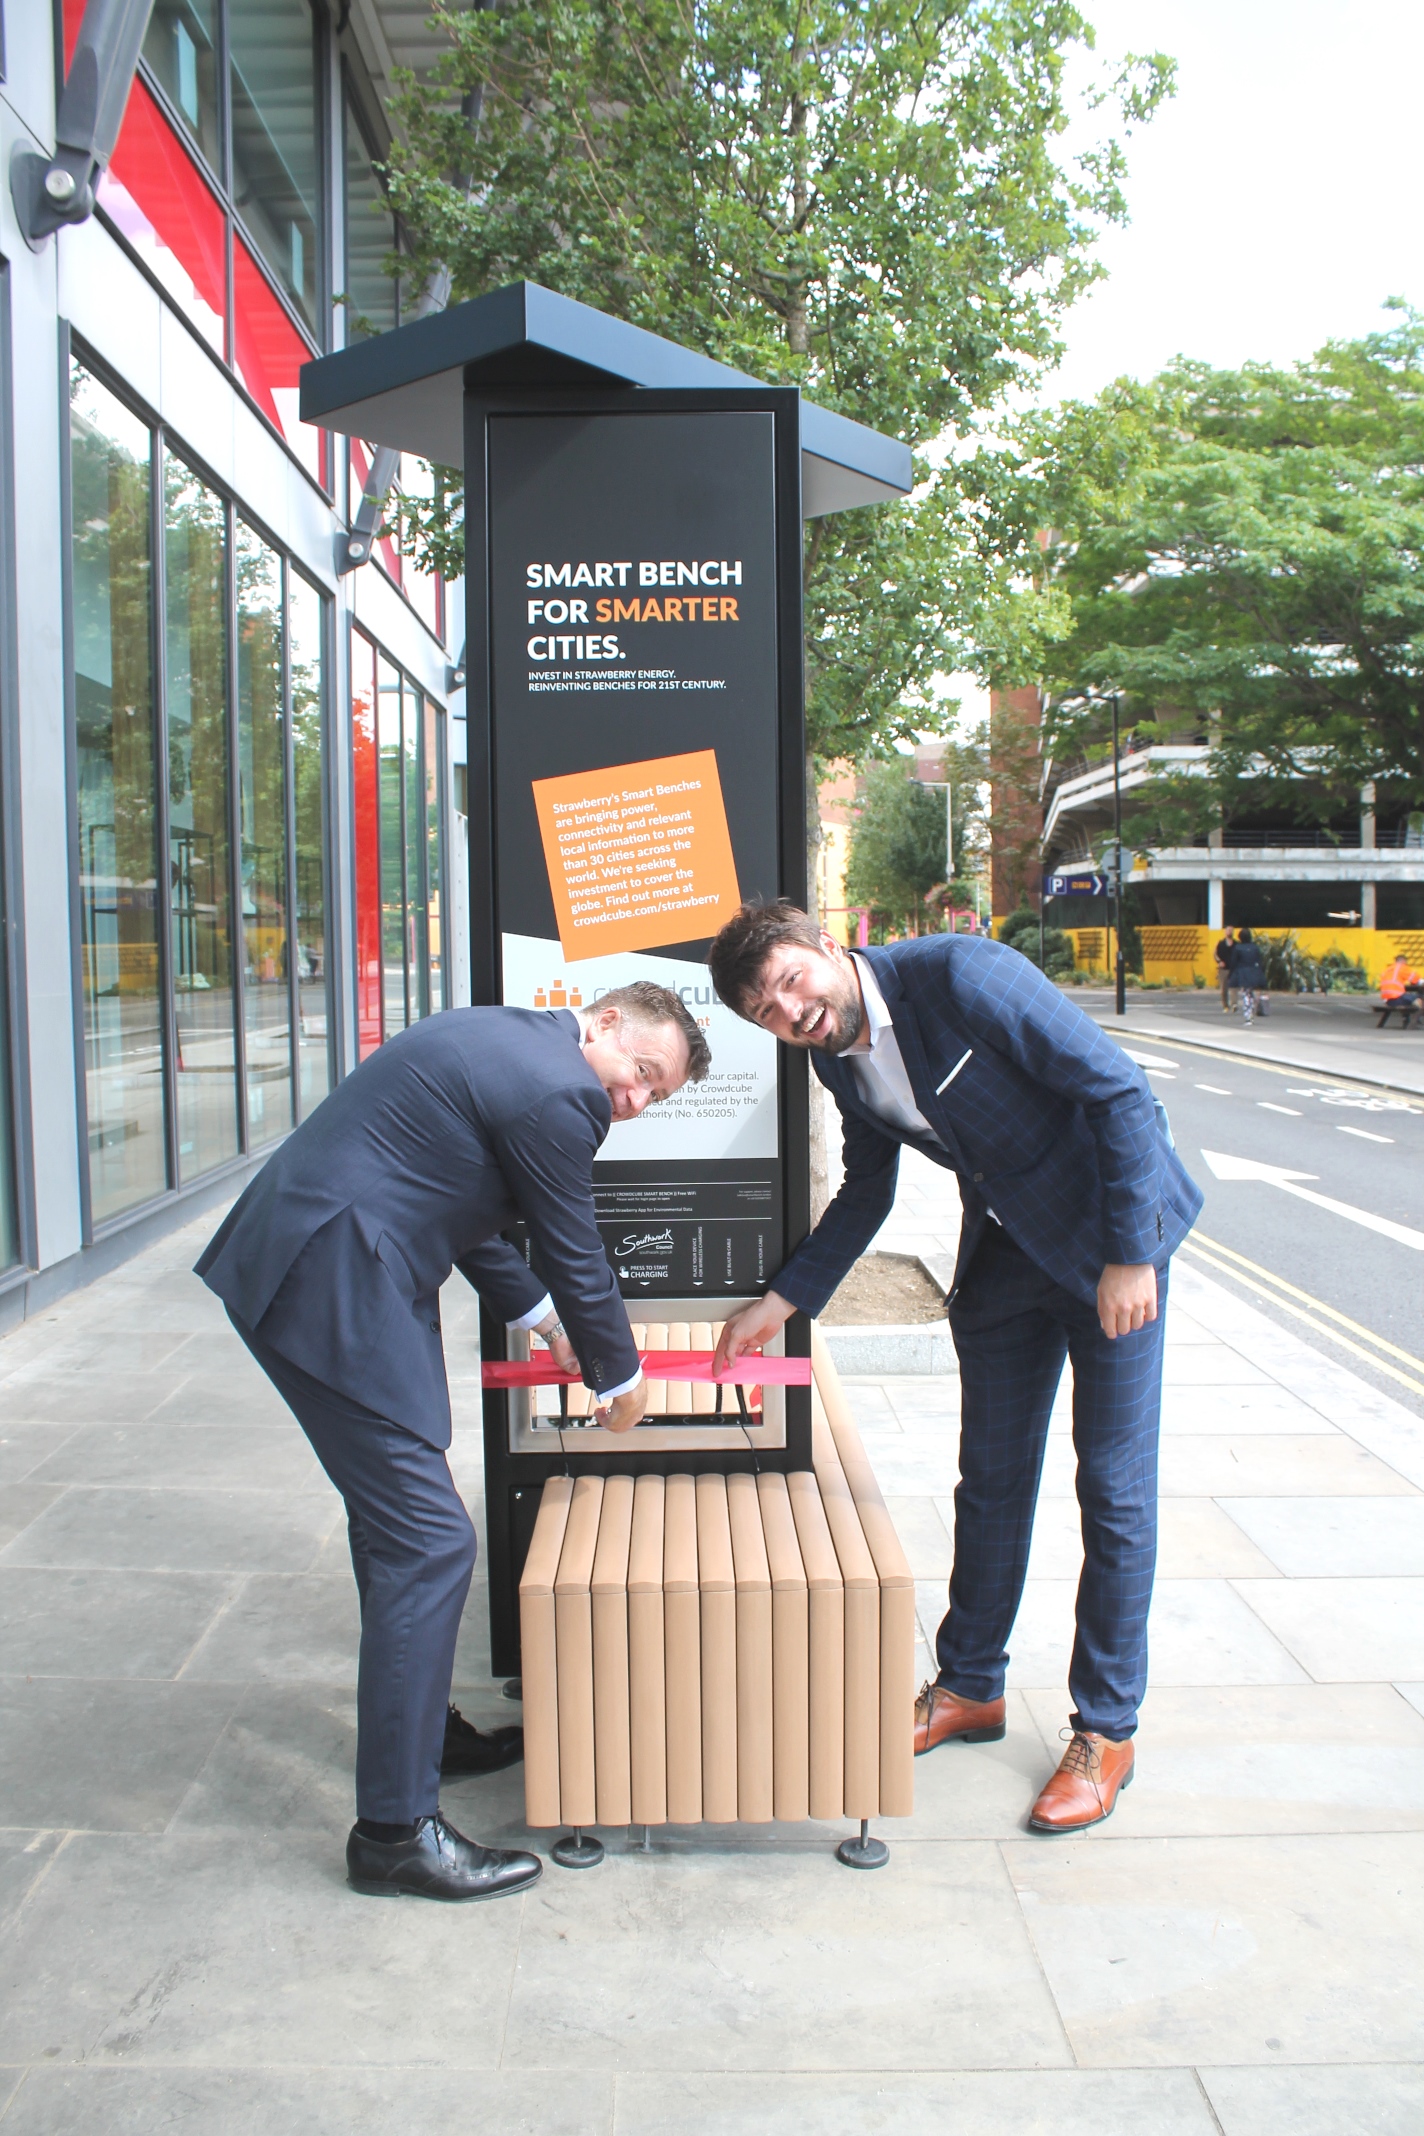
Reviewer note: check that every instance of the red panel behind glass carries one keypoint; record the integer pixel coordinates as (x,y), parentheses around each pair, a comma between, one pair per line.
(268,354)
(154,195)
(368,849)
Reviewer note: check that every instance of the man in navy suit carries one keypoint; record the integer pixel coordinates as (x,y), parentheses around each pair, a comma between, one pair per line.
(1074,1202)
(331,1265)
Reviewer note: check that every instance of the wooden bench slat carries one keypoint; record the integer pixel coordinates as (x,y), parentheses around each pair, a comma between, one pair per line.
(862,1623)
(611,1604)
(790,1653)
(682,1635)
(825,1718)
(717,1596)
(539,1649)
(754,1651)
(573,1624)
(647,1664)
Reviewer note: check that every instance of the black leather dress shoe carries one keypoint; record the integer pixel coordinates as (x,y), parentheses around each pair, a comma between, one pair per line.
(466,1751)
(437,1863)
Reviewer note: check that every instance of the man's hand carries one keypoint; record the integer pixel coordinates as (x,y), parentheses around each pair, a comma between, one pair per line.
(1127,1297)
(625,1410)
(560,1348)
(751,1329)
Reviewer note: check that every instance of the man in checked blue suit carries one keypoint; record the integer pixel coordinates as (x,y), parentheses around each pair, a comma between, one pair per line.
(1074,1202)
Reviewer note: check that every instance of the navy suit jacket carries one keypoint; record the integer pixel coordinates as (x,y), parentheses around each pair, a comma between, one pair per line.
(336,1252)
(1043,1117)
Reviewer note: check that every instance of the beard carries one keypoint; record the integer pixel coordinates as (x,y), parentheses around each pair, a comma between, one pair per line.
(837,1017)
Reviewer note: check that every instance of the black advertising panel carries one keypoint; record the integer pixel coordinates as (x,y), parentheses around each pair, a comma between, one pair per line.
(635,777)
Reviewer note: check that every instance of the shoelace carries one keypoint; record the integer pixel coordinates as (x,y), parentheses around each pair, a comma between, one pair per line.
(1080,1757)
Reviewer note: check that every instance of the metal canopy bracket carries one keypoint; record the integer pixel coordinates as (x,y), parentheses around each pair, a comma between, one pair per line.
(50,191)
(406,389)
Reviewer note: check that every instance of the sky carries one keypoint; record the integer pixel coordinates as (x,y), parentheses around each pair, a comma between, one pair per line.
(1276,201)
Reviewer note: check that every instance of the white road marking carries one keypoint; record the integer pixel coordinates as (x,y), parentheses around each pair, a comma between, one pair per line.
(1150,1060)
(1160,1075)
(1275,1175)
(1356,1100)
(1266,1106)
(1363,1133)
(1215,1089)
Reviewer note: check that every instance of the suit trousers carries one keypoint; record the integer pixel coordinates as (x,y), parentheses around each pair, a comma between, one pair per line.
(1013,1326)
(413,1552)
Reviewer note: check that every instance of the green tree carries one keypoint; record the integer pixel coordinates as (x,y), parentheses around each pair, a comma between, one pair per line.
(1243,555)
(871,202)
(896,867)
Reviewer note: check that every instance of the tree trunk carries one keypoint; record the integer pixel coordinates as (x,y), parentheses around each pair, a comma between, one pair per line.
(820,1184)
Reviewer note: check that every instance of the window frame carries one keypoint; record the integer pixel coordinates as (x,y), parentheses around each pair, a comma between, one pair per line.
(163,441)
(220,184)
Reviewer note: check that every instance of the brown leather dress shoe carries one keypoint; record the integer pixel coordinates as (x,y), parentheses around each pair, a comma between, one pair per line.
(944,1717)
(1084,1790)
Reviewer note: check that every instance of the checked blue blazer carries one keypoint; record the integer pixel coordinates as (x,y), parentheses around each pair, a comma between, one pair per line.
(1042,1116)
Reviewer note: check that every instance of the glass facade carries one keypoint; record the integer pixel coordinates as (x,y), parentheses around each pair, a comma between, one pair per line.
(398,742)
(221,162)
(263,816)
(117,767)
(199,843)
(371,294)
(204,1036)
(305,634)
(276,157)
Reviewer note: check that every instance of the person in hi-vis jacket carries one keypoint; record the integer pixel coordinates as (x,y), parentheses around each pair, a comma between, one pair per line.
(1074,1201)
(330,1266)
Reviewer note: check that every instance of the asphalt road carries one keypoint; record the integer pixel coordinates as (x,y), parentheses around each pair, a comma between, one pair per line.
(1358,1146)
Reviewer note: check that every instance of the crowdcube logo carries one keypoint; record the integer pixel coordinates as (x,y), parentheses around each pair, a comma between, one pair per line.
(558,996)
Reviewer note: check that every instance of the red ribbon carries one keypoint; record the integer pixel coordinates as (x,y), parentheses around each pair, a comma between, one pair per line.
(750,1371)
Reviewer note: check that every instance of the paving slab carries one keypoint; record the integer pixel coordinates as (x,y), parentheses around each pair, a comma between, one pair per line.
(712,1960)
(1198,1632)
(1335,1537)
(24,1446)
(35,1395)
(283,1628)
(1242,1950)
(241,1456)
(21,1503)
(1385,2101)
(1243,1465)
(1196,1539)
(99,1756)
(59,1621)
(1345,1631)
(204,1950)
(966,2102)
(163,1528)
(317,2102)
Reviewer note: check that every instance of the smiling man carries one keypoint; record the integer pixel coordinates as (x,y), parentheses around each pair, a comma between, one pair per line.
(330,1267)
(1074,1200)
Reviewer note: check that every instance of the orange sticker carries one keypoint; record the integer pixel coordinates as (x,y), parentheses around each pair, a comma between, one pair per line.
(639,856)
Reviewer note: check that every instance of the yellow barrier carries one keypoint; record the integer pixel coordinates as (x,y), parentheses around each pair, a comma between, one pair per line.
(1182,954)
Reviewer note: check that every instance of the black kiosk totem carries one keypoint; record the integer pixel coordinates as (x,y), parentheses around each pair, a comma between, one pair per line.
(636,766)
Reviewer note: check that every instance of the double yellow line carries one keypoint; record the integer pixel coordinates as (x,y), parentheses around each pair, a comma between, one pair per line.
(1316,1314)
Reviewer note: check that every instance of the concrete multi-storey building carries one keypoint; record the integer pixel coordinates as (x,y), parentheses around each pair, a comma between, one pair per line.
(231,754)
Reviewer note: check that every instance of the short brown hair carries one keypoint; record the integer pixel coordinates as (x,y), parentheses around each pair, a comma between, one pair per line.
(644,1002)
(738,955)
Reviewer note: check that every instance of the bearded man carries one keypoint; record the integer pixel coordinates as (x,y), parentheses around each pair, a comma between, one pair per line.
(1074,1201)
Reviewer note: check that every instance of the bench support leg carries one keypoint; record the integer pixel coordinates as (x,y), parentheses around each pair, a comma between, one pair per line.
(577,1851)
(865,1852)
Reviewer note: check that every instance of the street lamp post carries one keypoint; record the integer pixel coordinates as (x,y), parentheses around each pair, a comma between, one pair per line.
(1119,964)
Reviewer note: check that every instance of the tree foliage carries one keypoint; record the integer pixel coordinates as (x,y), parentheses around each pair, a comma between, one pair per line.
(898,852)
(1243,555)
(871,201)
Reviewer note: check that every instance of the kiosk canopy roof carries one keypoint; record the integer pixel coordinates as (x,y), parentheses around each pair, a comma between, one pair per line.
(407,388)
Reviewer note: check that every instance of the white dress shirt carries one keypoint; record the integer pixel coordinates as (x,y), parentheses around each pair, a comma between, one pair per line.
(879,1065)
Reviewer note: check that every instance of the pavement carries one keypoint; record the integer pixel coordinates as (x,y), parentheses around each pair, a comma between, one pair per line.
(1327,1034)
(1239,1951)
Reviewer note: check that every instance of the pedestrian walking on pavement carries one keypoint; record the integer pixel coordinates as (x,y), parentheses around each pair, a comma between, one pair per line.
(1074,1201)
(1223,954)
(1248,975)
